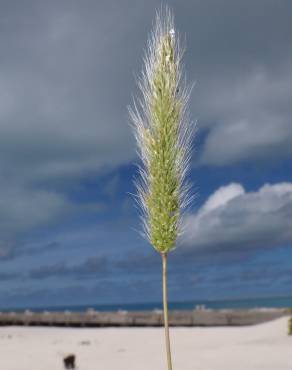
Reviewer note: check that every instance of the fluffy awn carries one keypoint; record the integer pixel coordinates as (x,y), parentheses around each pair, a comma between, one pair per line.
(164,135)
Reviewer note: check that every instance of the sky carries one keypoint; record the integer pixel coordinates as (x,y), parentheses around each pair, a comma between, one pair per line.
(69,228)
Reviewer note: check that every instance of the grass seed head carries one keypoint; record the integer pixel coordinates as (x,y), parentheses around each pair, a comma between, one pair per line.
(164,134)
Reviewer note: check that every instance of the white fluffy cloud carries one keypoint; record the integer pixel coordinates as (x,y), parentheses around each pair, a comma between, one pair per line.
(234,218)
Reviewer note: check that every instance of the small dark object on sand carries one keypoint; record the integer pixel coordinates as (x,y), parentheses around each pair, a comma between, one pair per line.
(85,343)
(69,362)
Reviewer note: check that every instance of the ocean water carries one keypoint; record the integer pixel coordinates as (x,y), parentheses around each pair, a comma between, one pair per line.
(213,304)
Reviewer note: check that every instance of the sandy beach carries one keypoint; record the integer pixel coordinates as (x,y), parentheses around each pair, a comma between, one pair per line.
(265,346)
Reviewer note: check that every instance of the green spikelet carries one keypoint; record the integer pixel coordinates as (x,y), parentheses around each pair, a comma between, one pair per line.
(163,137)
(162,199)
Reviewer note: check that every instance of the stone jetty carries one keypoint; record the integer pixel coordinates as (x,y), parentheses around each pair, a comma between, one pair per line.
(92,318)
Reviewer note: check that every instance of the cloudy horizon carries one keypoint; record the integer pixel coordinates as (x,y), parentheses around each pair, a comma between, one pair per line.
(68,222)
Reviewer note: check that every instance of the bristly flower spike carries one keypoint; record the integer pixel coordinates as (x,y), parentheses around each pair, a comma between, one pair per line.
(164,136)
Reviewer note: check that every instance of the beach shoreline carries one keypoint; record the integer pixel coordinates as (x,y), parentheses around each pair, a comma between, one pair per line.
(258,347)
(92,318)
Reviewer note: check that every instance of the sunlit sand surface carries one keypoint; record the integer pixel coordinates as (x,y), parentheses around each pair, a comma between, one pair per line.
(265,346)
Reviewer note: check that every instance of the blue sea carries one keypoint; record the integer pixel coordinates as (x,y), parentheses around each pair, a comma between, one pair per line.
(213,304)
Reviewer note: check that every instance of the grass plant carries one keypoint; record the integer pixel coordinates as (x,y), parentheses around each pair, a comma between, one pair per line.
(164,135)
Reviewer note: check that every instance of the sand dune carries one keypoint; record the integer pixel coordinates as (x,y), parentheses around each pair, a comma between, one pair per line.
(265,346)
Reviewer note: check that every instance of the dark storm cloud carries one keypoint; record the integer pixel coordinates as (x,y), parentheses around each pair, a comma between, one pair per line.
(91,267)
(139,262)
(239,52)
(66,77)
(11,252)
(5,276)
(64,87)
(103,292)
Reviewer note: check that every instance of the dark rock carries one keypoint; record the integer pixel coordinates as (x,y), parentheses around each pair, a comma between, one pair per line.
(69,362)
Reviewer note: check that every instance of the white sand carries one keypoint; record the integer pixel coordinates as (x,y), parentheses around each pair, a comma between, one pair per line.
(266,347)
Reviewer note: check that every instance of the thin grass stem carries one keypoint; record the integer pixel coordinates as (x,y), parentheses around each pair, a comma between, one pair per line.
(165,310)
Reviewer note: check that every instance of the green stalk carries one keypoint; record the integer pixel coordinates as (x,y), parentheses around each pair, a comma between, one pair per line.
(165,310)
